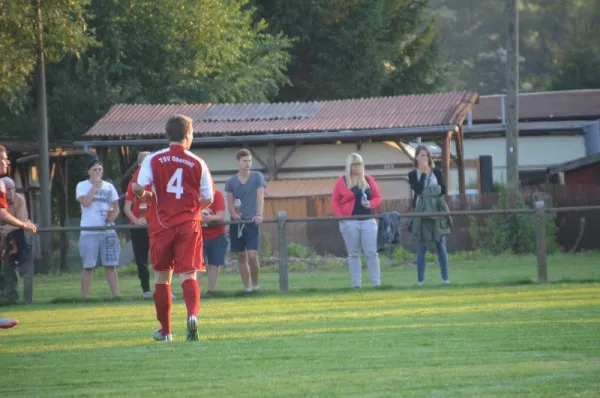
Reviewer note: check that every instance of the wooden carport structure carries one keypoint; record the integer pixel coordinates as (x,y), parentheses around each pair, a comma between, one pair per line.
(429,117)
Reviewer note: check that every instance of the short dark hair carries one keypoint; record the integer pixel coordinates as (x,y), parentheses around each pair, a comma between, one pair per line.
(177,127)
(93,161)
(418,150)
(242,153)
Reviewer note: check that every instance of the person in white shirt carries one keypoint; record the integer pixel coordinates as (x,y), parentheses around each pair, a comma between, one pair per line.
(99,206)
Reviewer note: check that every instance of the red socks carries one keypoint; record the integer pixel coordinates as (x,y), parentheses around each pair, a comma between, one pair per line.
(191,296)
(163,303)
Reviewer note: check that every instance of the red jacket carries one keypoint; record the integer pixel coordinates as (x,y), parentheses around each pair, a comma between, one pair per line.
(343,198)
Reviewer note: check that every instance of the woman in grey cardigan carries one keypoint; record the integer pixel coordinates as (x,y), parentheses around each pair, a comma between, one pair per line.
(429,189)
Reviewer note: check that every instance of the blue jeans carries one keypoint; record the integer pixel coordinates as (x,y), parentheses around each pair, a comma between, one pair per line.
(442,258)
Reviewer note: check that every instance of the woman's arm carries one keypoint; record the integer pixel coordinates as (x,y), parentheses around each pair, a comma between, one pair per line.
(417,185)
(375,192)
(439,175)
(336,197)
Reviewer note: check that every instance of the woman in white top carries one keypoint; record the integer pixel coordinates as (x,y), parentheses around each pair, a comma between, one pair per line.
(99,207)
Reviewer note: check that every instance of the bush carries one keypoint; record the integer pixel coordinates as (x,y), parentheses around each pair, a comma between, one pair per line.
(513,233)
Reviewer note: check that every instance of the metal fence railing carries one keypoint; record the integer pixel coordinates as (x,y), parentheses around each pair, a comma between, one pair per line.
(282,227)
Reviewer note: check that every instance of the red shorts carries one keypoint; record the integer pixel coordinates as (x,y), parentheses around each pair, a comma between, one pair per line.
(178,248)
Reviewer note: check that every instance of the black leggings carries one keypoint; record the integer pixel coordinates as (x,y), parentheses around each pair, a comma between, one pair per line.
(140,243)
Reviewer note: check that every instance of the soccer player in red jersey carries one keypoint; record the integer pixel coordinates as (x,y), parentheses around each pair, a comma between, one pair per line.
(181,187)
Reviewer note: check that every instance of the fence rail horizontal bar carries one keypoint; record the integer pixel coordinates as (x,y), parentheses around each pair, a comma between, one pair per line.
(453,213)
(75,228)
(345,218)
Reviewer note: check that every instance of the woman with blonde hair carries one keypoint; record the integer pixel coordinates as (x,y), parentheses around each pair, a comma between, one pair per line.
(357,194)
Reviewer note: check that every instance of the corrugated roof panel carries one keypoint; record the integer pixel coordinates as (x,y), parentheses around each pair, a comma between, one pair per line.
(353,114)
(572,104)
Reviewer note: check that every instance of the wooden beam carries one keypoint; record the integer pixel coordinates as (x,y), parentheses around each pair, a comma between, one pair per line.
(460,161)
(446,155)
(123,165)
(403,148)
(454,158)
(256,157)
(271,161)
(123,177)
(287,156)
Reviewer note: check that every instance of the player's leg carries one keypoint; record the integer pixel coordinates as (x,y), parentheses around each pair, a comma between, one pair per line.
(252,237)
(89,247)
(161,249)
(8,323)
(187,261)
(216,259)
(139,243)
(110,249)
(238,246)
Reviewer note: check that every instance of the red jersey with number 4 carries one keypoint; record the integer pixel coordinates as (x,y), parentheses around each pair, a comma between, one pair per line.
(180,181)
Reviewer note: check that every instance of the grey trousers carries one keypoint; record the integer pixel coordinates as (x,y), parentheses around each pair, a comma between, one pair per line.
(361,235)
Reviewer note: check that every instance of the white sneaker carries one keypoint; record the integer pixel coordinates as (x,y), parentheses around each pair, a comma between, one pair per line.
(248,290)
(446,282)
(420,284)
(255,288)
(147,295)
(158,336)
(173,296)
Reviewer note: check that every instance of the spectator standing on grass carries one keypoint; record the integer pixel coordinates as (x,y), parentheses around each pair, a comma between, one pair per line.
(245,201)
(430,233)
(356,194)
(12,243)
(214,235)
(137,212)
(7,219)
(99,207)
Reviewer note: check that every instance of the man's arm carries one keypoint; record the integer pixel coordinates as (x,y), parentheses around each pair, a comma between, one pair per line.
(7,218)
(20,214)
(231,208)
(207,193)
(127,210)
(86,199)
(116,210)
(260,201)
(145,177)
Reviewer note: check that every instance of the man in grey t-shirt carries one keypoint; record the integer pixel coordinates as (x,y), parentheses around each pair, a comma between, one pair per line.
(245,201)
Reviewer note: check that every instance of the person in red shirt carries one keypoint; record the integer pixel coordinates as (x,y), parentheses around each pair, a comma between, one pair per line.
(181,187)
(356,194)
(139,237)
(215,239)
(7,218)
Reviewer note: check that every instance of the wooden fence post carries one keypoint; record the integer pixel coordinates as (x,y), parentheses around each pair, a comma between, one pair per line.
(540,233)
(283,251)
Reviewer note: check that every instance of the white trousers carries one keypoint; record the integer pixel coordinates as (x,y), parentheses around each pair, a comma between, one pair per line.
(361,234)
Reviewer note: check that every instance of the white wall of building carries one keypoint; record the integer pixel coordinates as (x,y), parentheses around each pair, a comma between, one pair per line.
(535,153)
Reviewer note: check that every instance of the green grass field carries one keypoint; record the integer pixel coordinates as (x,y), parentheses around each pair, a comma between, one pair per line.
(493,332)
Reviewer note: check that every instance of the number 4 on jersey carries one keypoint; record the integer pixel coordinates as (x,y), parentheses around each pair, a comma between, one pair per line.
(175,184)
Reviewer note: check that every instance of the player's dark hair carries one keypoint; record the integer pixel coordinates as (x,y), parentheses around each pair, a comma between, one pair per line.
(93,162)
(242,153)
(178,127)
